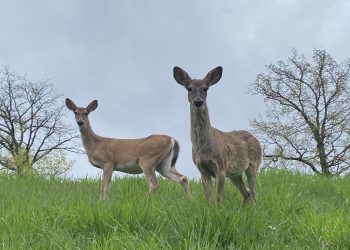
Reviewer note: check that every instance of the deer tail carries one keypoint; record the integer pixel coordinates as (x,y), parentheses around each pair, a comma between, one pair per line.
(176,150)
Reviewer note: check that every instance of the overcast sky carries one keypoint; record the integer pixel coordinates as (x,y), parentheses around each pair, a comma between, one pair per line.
(122,53)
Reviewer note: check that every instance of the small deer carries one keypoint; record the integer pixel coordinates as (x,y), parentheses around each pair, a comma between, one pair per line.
(134,156)
(215,153)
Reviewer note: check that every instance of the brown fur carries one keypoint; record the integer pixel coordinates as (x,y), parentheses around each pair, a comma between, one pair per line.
(216,153)
(134,156)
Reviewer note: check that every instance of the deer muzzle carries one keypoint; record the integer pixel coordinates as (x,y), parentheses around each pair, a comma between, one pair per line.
(80,123)
(198,102)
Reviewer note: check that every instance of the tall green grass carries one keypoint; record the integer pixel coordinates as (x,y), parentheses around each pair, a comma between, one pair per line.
(293,211)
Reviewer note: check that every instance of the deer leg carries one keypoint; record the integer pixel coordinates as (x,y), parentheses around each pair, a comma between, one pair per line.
(206,180)
(251,177)
(183,180)
(220,181)
(153,183)
(150,174)
(106,180)
(172,174)
(238,182)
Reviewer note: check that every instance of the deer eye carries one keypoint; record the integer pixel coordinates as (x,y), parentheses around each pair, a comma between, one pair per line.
(85,113)
(205,89)
(75,112)
(189,89)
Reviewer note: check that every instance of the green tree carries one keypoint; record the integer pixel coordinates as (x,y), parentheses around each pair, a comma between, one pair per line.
(31,122)
(53,165)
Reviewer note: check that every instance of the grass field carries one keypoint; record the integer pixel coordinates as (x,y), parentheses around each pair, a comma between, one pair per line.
(293,211)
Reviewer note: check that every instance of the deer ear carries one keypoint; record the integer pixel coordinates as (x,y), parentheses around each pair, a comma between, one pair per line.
(213,76)
(181,77)
(70,104)
(92,106)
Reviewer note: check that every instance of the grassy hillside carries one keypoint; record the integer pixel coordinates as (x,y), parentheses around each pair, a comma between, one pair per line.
(293,212)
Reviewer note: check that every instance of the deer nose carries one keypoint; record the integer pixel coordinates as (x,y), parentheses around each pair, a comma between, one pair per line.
(80,123)
(198,103)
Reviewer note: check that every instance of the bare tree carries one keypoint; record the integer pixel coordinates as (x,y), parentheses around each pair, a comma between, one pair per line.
(307,119)
(31,122)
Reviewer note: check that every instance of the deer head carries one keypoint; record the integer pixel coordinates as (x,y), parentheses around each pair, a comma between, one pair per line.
(197,89)
(81,114)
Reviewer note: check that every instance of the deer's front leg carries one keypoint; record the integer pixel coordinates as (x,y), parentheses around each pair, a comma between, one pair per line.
(106,180)
(206,180)
(220,181)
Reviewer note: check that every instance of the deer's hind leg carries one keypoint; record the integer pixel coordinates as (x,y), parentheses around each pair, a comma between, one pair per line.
(167,169)
(251,177)
(148,168)
(172,174)
(237,180)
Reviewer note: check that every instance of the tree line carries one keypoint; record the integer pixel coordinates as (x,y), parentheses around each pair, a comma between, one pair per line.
(305,124)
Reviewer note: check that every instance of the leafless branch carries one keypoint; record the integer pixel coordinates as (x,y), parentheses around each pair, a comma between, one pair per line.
(32,118)
(308,111)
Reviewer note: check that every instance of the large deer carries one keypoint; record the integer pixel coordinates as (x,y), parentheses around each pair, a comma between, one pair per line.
(134,156)
(215,153)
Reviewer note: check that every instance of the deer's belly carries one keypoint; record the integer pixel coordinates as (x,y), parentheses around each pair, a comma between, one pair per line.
(130,167)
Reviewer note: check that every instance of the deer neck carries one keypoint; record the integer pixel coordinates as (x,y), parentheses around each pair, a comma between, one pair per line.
(201,130)
(88,137)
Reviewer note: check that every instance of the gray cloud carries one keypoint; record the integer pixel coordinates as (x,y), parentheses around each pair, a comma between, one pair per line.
(122,53)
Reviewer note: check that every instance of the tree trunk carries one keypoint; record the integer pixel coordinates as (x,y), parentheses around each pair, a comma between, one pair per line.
(323,159)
